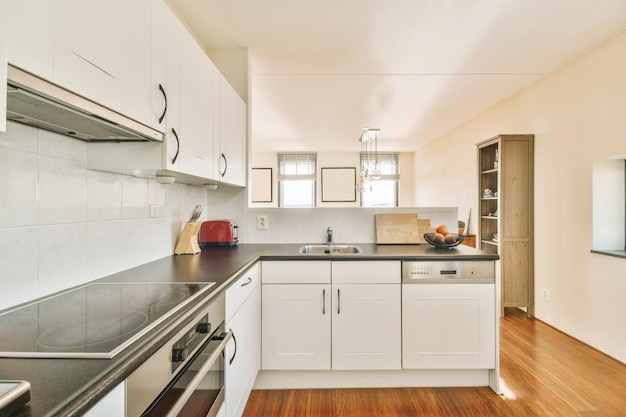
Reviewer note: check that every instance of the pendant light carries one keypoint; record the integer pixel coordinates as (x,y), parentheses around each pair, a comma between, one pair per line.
(370,160)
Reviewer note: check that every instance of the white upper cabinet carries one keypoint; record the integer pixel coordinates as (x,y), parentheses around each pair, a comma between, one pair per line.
(4,36)
(31,34)
(137,58)
(192,92)
(231,152)
(103,51)
(198,89)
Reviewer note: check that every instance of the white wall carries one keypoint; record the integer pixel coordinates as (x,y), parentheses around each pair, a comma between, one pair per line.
(578,114)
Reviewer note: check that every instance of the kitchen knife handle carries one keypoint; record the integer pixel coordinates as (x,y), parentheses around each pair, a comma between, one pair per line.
(165,108)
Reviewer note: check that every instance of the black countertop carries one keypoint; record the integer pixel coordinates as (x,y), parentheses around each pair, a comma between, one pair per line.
(69,387)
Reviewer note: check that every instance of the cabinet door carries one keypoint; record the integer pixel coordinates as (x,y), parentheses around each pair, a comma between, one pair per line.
(243,356)
(198,88)
(4,37)
(232,135)
(448,326)
(296,326)
(113,404)
(366,327)
(174,29)
(31,34)
(103,52)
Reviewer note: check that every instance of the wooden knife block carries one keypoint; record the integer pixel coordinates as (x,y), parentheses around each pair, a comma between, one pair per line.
(188,240)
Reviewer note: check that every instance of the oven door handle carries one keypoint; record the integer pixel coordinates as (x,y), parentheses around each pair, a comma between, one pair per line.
(225,338)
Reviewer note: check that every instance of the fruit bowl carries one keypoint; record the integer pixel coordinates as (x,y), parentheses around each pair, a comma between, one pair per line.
(458,240)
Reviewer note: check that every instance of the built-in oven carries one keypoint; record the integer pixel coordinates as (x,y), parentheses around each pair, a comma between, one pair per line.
(185,378)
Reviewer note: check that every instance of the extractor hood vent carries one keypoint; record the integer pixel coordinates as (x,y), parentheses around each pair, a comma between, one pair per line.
(36,102)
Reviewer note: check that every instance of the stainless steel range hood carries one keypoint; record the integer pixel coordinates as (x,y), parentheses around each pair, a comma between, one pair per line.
(37,102)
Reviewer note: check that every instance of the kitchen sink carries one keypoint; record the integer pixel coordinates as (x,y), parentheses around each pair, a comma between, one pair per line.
(330,249)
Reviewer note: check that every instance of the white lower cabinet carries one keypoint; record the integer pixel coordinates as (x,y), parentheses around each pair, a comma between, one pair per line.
(243,312)
(448,326)
(296,326)
(317,310)
(113,404)
(366,326)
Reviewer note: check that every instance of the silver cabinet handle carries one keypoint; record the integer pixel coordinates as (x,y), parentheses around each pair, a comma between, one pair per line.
(248,282)
(324,301)
(338,301)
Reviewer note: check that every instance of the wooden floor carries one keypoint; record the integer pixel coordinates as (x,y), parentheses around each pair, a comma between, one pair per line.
(544,373)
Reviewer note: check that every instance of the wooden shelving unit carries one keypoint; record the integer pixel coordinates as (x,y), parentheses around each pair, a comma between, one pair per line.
(505,224)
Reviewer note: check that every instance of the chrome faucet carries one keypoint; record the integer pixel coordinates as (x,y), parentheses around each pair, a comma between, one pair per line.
(329,236)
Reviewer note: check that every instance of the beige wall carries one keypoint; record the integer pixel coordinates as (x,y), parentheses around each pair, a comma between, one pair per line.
(578,114)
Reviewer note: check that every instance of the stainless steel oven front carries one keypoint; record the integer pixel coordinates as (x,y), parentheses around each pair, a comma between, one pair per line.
(185,378)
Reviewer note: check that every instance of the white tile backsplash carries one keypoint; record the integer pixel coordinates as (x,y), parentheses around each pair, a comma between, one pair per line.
(62,225)
(60,146)
(62,190)
(61,257)
(134,198)
(18,265)
(104,196)
(20,138)
(19,189)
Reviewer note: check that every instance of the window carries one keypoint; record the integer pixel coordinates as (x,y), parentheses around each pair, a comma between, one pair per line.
(384,191)
(609,206)
(297,175)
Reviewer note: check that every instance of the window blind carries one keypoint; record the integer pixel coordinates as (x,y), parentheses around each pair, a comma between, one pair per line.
(389,164)
(297,166)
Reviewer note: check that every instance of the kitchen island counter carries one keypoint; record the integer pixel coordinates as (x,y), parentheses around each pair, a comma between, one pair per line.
(70,387)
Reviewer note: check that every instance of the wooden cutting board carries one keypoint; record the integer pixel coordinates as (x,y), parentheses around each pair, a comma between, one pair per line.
(401,228)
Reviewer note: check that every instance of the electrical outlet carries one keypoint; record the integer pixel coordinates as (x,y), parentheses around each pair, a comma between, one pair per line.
(261,222)
(154,210)
(546,295)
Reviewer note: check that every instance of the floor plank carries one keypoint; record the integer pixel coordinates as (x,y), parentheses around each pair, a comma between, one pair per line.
(544,373)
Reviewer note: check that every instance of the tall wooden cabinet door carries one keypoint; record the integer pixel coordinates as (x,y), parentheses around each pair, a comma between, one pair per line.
(366,327)
(296,326)
(517,189)
(448,326)
(515,261)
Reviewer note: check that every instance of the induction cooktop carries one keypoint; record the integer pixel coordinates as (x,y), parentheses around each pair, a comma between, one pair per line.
(97,320)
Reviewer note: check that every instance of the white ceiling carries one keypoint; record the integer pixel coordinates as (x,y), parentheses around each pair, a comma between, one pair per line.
(321,70)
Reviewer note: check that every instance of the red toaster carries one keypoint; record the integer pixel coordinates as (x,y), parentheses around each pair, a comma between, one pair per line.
(218,233)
